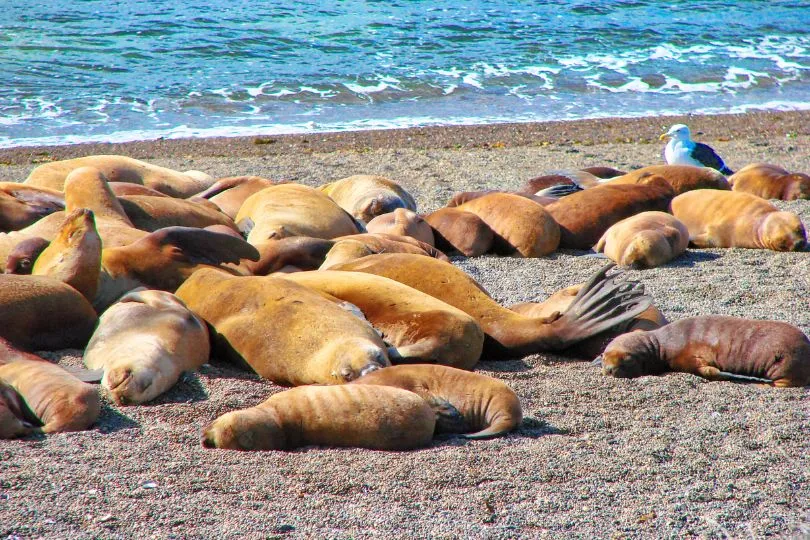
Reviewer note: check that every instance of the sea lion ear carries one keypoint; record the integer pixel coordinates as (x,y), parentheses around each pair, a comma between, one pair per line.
(199,246)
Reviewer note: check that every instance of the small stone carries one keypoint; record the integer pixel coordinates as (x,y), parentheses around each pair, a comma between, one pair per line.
(283,529)
(105,518)
(149,485)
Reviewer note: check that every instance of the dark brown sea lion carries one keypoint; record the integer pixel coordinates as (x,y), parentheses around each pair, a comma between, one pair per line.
(292,254)
(229,193)
(22,205)
(771,182)
(601,304)
(646,240)
(364,416)
(604,173)
(366,196)
(466,196)
(22,257)
(716,348)
(682,178)
(402,222)
(457,230)
(470,403)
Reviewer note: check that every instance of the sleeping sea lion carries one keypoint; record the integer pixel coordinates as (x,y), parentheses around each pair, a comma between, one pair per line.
(457,230)
(771,182)
(153,213)
(478,406)
(363,416)
(577,180)
(682,178)
(21,259)
(601,303)
(12,420)
(120,189)
(292,254)
(143,343)
(366,196)
(402,222)
(466,196)
(22,205)
(229,193)
(284,331)
(349,248)
(646,240)
(735,219)
(716,348)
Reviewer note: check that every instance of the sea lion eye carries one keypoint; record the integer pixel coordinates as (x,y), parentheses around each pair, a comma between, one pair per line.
(24,264)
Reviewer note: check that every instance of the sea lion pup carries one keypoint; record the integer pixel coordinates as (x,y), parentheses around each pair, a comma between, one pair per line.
(284,331)
(418,327)
(716,348)
(123,169)
(153,213)
(22,205)
(292,210)
(120,189)
(21,259)
(143,343)
(646,240)
(74,256)
(366,196)
(229,193)
(457,230)
(735,219)
(402,222)
(361,416)
(475,405)
(292,254)
(466,196)
(349,248)
(40,313)
(682,178)
(60,401)
(586,215)
(771,182)
(601,303)
(522,227)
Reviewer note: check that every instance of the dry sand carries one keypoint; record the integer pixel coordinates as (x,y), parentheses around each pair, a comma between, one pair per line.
(655,457)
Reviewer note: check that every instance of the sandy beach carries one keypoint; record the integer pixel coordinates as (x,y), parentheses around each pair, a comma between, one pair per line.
(656,457)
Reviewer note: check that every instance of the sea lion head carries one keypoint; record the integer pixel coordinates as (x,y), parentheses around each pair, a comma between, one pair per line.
(22,257)
(248,429)
(648,249)
(17,213)
(797,186)
(783,231)
(129,385)
(629,355)
(377,205)
(352,358)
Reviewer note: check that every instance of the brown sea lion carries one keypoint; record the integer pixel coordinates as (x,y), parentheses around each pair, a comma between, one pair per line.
(605,173)
(59,400)
(122,169)
(292,210)
(457,230)
(771,182)
(120,189)
(363,416)
(682,178)
(22,257)
(143,343)
(22,205)
(349,248)
(646,240)
(586,215)
(402,222)
(478,406)
(366,196)
(41,313)
(417,326)
(74,256)
(12,420)
(601,303)
(292,254)
(576,179)
(521,226)
(736,219)
(153,213)
(716,348)
(284,331)
(229,193)
(466,196)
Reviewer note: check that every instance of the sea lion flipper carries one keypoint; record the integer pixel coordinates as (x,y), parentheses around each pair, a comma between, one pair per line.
(448,418)
(558,191)
(86,375)
(200,246)
(714,374)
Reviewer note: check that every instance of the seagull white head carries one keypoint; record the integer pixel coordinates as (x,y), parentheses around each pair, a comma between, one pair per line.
(678,131)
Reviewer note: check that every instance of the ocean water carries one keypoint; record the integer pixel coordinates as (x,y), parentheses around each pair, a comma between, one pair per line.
(107,70)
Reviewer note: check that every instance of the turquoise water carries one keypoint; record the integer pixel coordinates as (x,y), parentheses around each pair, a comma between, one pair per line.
(93,70)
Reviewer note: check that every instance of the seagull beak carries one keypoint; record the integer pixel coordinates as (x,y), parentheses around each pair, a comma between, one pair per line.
(663,137)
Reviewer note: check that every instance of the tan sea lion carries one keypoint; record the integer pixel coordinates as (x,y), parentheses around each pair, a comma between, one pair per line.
(682,178)
(363,416)
(59,400)
(120,189)
(143,343)
(366,196)
(122,169)
(417,326)
(601,303)
(12,420)
(470,403)
(349,248)
(292,254)
(22,257)
(736,219)
(716,348)
(646,240)
(284,331)
(22,205)
(457,230)
(771,182)
(229,193)
(402,222)
(292,210)
(153,213)
(585,215)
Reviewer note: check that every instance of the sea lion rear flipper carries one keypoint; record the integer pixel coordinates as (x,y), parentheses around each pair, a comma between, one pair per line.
(199,246)
(714,374)
(448,418)
(558,191)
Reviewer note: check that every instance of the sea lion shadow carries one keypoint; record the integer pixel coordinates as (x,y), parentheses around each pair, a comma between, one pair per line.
(692,257)
(112,419)
(529,428)
(496,365)
(188,389)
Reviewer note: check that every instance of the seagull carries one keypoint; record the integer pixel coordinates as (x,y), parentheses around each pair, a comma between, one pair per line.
(682,150)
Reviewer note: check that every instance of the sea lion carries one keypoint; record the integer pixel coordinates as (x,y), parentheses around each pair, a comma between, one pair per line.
(153,213)
(74,256)
(475,405)
(349,248)
(22,205)
(466,196)
(771,182)
(21,259)
(578,180)
(364,416)
(284,331)
(646,240)
(229,193)
(143,343)
(292,254)
(521,226)
(402,222)
(604,173)
(457,230)
(12,421)
(585,215)
(716,348)
(122,169)
(601,303)
(292,210)
(735,219)
(41,313)
(120,189)
(366,196)
(417,326)
(682,178)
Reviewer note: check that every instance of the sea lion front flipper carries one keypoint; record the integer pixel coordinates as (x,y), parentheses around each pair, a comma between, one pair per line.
(199,246)
(448,418)
(92,376)
(714,374)
(558,191)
